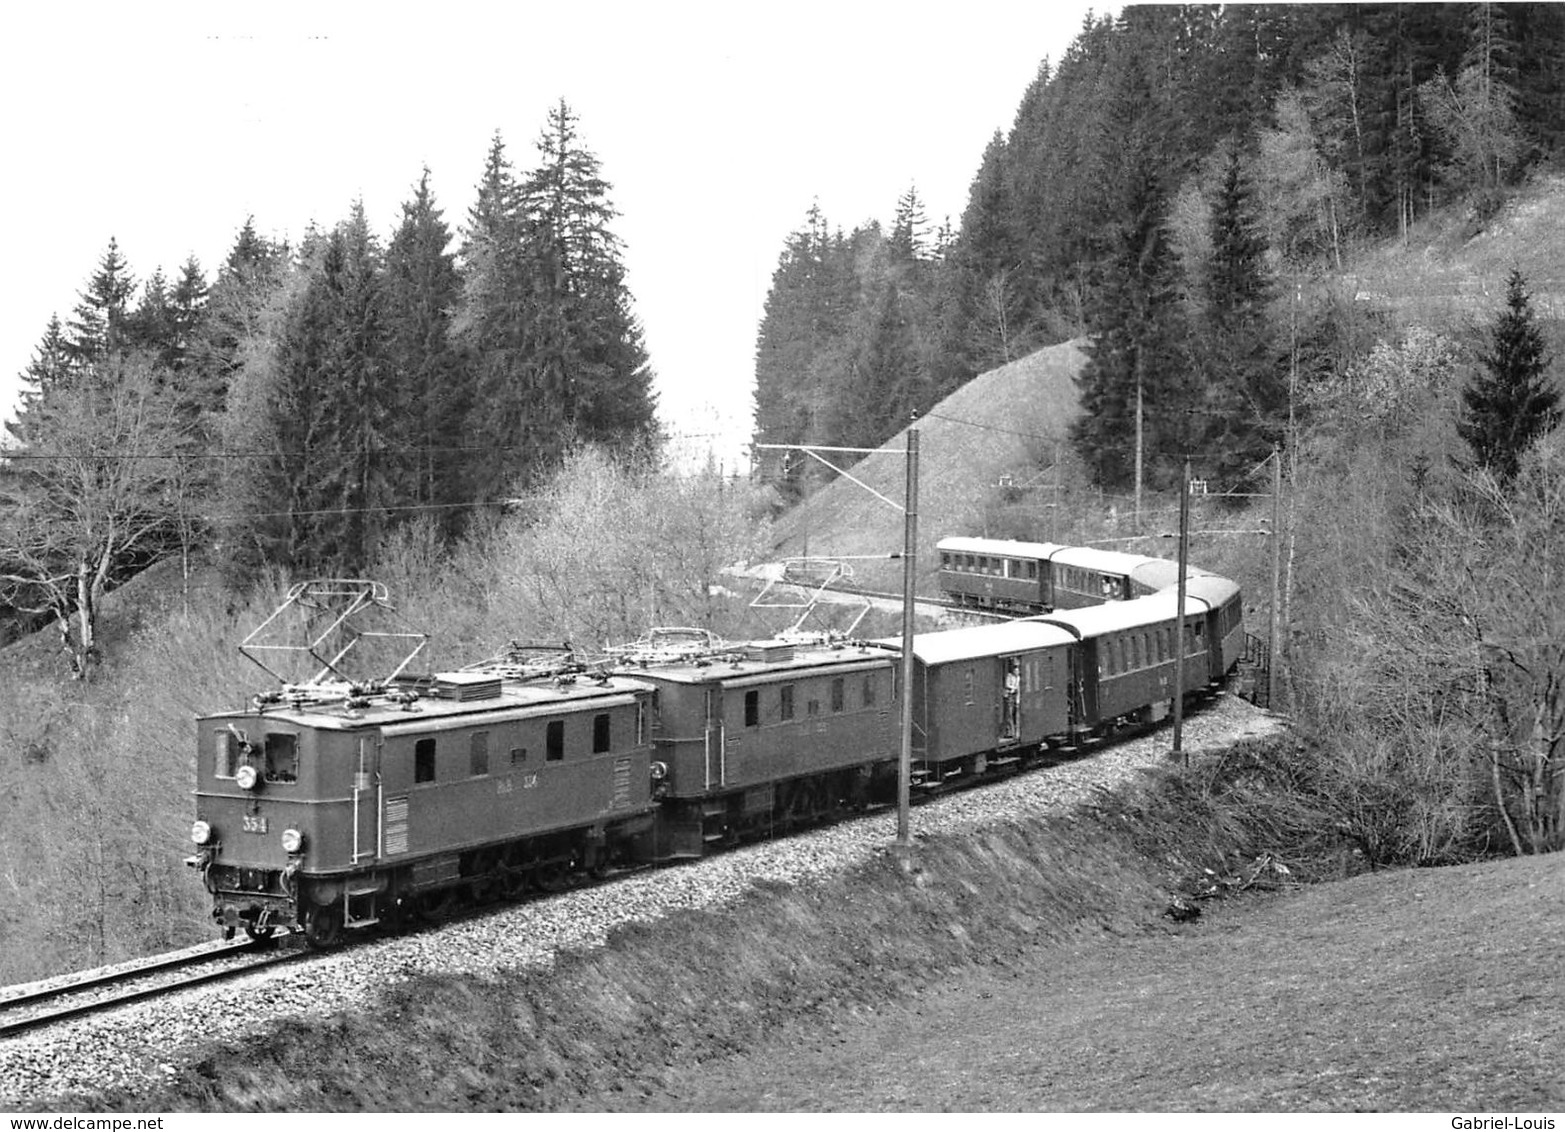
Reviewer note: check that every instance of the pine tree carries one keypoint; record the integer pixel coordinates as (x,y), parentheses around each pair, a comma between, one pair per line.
(233,316)
(99,325)
(493,328)
(49,369)
(1137,368)
(1512,403)
(431,394)
(589,356)
(1246,394)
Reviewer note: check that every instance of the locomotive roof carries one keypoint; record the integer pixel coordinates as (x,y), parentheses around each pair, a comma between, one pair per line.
(739,660)
(1114,616)
(983,640)
(334,712)
(1007,547)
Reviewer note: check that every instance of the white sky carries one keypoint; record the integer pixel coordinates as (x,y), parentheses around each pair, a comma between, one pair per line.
(164,125)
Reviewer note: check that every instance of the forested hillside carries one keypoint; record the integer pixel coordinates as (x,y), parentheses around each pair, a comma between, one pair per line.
(292,412)
(1169,187)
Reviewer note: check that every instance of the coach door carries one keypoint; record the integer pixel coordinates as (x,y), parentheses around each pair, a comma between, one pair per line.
(1010,700)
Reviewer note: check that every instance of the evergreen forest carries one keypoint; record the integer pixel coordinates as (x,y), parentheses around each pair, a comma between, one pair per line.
(1163,185)
(291,413)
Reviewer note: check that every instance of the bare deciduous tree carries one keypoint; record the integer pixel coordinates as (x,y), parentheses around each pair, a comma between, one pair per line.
(97,490)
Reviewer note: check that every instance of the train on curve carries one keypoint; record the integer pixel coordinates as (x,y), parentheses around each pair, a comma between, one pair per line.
(327,806)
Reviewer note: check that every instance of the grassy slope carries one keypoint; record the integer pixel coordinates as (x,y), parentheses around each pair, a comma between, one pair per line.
(1000,423)
(1426,990)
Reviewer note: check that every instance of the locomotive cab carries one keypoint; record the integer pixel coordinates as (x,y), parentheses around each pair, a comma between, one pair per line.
(259,818)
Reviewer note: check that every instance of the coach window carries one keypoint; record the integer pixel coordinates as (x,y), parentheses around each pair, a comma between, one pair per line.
(785,702)
(1108,657)
(752,708)
(424,760)
(1032,571)
(837,695)
(967,684)
(554,741)
(478,754)
(282,757)
(600,733)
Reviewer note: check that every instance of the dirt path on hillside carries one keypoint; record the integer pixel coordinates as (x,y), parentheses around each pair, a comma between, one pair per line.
(1422,990)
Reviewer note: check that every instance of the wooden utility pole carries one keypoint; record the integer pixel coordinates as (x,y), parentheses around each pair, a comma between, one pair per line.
(1274,649)
(909,558)
(1179,619)
(1137,525)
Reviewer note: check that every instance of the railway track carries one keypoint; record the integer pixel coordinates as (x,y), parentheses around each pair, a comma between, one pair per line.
(96,992)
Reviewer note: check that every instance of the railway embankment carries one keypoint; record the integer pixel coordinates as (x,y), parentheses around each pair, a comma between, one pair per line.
(818,931)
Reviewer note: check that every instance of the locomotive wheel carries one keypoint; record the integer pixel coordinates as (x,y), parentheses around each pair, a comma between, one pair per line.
(513,882)
(323,925)
(436,907)
(553,876)
(259,934)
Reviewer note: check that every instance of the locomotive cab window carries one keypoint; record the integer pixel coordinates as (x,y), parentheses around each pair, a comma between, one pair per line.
(478,754)
(424,760)
(226,760)
(600,733)
(752,708)
(554,741)
(282,757)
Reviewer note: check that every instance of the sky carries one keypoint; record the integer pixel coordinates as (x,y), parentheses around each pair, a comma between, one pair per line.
(165,125)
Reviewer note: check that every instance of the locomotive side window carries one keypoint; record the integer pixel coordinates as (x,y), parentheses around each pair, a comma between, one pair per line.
(838,697)
(518,756)
(967,682)
(282,757)
(424,760)
(785,702)
(600,733)
(752,708)
(554,741)
(869,689)
(478,754)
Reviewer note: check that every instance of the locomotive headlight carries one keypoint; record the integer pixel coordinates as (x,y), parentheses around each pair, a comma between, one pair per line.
(246,777)
(201,833)
(293,840)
